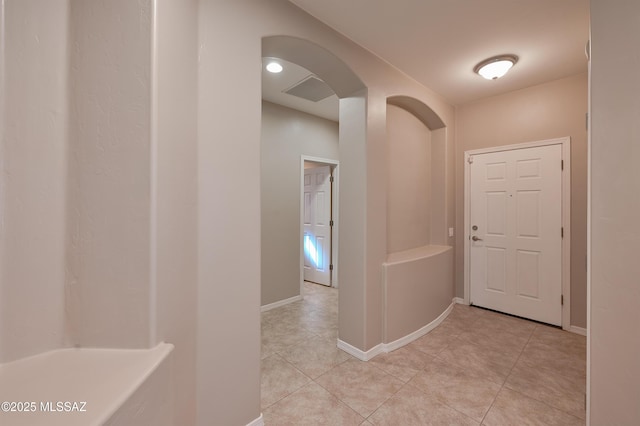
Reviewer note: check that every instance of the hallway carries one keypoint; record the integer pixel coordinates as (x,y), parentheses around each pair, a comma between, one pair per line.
(477,367)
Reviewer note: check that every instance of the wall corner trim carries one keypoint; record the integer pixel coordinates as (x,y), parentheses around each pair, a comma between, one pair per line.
(257,422)
(459,301)
(578,330)
(360,354)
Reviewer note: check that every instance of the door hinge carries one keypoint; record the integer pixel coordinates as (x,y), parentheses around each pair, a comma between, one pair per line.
(586,121)
(561,164)
(470,159)
(562,232)
(562,299)
(331,267)
(331,223)
(331,179)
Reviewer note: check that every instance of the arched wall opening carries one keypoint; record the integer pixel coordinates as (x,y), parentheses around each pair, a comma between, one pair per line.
(294,127)
(352,94)
(331,69)
(418,270)
(416,156)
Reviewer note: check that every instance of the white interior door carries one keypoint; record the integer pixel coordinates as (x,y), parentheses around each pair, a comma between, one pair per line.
(317,230)
(516,224)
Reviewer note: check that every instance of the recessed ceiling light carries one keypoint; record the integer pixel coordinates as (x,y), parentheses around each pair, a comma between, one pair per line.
(496,66)
(274,67)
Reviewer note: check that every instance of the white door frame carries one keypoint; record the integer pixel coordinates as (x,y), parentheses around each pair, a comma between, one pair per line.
(566,217)
(334,213)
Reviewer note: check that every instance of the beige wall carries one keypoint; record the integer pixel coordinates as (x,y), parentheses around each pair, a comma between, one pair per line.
(286,135)
(108,227)
(352,307)
(228,335)
(132,256)
(551,110)
(409,181)
(417,290)
(176,191)
(34,129)
(229,213)
(614,340)
(99,240)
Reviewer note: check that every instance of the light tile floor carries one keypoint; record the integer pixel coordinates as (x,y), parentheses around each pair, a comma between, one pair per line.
(477,367)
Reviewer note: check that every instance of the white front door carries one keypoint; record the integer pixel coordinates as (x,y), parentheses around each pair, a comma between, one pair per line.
(516,224)
(317,230)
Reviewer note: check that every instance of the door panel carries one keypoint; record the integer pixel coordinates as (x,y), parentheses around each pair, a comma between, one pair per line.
(528,214)
(516,205)
(528,274)
(496,213)
(307,208)
(496,269)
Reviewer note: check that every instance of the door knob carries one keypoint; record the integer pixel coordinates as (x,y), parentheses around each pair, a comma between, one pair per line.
(474,238)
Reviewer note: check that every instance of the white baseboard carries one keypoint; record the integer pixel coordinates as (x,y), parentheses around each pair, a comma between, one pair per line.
(257,422)
(578,330)
(459,300)
(358,353)
(279,303)
(396,344)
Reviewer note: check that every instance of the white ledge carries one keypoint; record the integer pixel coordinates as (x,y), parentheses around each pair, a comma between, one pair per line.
(415,254)
(102,378)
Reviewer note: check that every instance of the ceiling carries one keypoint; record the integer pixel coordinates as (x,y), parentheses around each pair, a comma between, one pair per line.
(438,42)
(274,87)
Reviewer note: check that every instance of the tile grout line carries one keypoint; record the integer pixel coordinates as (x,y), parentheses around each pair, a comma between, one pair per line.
(559,374)
(385,401)
(337,397)
(538,400)
(478,316)
(296,389)
(456,337)
(508,375)
(548,405)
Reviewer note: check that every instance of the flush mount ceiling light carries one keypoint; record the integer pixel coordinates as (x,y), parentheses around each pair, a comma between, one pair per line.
(496,66)
(274,67)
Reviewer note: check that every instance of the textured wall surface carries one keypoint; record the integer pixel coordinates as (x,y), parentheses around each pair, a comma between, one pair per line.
(176,204)
(615,208)
(34,167)
(109,174)
(99,179)
(409,186)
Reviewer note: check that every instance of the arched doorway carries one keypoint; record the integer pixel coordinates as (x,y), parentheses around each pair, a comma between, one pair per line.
(352,117)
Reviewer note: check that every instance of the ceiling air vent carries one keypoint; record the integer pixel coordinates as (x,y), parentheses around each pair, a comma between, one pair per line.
(311,88)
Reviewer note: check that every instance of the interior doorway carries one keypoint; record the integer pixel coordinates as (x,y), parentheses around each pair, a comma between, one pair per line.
(294,126)
(281,266)
(319,221)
